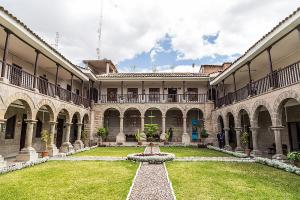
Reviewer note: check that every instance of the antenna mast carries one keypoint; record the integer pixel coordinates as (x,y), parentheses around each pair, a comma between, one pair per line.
(98,50)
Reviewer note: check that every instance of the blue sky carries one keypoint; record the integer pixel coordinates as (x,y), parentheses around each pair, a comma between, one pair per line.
(163,57)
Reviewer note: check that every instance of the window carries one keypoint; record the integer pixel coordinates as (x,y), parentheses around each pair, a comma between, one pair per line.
(154,95)
(10,127)
(132,94)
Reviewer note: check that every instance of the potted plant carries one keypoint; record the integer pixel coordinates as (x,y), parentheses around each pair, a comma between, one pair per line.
(204,135)
(151,130)
(138,137)
(294,157)
(84,136)
(45,138)
(245,142)
(166,142)
(102,134)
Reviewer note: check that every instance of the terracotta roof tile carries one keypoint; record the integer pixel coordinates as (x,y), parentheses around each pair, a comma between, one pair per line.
(143,75)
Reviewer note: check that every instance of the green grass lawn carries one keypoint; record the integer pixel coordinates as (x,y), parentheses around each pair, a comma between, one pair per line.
(70,180)
(193,152)
(111,151)
(219,180)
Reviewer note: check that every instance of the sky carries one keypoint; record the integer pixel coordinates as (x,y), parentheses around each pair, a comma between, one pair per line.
(152,35)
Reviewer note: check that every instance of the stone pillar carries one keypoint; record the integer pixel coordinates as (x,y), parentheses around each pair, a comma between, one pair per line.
(254,131)
(278,142)
(2,162)
(163,128)
(67,146)
(185,136)
(52,149)
(227,146)
(121,137)
(78,143)
(143,135)
(238,131)
(28,153)
(5,55)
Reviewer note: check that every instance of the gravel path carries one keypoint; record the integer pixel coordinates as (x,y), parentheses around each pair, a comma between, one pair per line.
(151,182)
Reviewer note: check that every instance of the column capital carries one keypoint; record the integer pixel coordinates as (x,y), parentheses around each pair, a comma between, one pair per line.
(52,122)
(30,121)
(254,128)
(238,128)
(79,124)
(226,128)
(68,124)
(277,128)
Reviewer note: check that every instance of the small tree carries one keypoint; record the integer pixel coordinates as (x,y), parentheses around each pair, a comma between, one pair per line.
(45,138)
(102,133)
(204,134)
(245,139)
(138,136)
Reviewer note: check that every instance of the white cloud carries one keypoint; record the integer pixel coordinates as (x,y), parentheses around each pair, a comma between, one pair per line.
(134,26)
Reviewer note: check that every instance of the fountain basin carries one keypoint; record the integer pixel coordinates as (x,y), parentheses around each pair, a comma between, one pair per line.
(154,158)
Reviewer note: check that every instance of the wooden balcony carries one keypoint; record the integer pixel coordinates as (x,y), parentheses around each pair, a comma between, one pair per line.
(278,79)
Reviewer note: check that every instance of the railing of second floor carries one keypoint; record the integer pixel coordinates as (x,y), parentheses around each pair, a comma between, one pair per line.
(153,98)
(280,78)
(21,78)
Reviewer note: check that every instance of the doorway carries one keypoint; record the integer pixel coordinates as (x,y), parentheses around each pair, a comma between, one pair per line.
(23,132)
(60,132)
(172,94)
(294,135)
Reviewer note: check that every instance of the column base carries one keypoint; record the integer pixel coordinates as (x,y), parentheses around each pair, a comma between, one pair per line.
(66,147)
(162,137)
(4,80)
(279,157)
(52,150)
(186,140)
(143,137)
(239,149)
(228,148)
(2,162)
(256,153)
(120,138)
(78,145)
(27,154)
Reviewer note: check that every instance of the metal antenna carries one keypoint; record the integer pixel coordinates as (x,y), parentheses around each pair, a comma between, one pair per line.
(98,50)
(193,68)
(56,41)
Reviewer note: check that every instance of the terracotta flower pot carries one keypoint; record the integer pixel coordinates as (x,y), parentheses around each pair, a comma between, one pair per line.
(45,154)
(297,163)
(140,143)
(247,152)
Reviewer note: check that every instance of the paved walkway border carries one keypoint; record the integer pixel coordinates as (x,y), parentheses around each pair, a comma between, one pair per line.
(87,158)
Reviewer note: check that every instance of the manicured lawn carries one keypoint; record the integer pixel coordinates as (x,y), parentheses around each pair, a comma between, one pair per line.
(111,151)
(70,180)
(192,152)
(219,180)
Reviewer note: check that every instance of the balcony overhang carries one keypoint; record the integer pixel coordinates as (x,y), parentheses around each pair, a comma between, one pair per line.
(21,31)
(279,32)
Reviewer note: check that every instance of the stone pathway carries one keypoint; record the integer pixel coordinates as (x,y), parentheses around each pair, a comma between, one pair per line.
(89,158)
(151,182)
(219,159)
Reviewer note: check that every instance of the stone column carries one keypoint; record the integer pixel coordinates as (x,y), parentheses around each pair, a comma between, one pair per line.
(67,146)
(185,136)
(52,149)
(227,146)
(278,142)
(142,132)
(2,162)
(121,137)
(28,153)
(78,143)
(238,131)
(163,128)
(254,131)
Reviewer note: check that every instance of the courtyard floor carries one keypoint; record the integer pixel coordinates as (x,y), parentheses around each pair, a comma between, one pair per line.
(74,177)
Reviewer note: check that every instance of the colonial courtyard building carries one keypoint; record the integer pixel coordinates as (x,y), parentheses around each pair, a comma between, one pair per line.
(41,89)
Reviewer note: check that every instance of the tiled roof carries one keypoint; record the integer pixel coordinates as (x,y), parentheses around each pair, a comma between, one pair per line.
(144,75)
(37,36)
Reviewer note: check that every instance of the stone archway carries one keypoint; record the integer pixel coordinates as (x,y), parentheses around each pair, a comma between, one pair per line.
(195,123)
(174,121)
(112,123)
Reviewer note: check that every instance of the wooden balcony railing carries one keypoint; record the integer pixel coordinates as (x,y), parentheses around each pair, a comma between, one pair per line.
(153,98)
(280,78)
(21,78)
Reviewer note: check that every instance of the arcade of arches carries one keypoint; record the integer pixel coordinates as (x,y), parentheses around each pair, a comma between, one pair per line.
(273,132)
(24,120)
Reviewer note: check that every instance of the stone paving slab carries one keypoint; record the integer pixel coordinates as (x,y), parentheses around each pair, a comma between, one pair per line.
(87,158)
(218,159)
(151,182)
